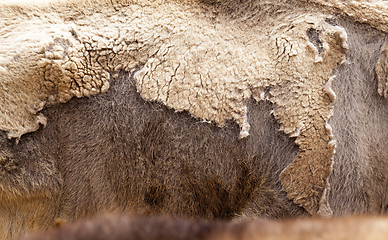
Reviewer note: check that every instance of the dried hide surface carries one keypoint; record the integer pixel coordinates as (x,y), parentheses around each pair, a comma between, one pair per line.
(163,228)
(210,109)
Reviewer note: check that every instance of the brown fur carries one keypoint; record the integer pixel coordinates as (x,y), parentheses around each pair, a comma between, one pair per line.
(164,228)
(116,152)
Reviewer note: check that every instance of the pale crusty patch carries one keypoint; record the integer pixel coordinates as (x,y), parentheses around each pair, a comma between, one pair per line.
(190,60)
(373,12)
(382,72)
(42,63)
(212,71)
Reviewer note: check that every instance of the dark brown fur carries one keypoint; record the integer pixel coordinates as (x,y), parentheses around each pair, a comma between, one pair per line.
(164,228)
(359,180)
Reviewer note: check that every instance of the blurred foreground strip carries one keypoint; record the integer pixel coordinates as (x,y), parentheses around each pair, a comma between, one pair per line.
(160,228)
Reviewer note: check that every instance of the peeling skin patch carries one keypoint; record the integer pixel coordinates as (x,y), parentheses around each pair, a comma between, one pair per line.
(210,79)
(193,59)
(382,72)
(374,13)
(45,65)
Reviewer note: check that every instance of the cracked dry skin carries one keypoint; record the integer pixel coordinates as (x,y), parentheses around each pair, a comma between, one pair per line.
(210,79)
(192,57)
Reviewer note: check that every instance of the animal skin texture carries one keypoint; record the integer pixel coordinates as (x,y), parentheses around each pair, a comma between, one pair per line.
(214,62)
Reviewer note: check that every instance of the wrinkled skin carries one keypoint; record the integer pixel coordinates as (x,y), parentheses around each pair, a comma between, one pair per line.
(117,152)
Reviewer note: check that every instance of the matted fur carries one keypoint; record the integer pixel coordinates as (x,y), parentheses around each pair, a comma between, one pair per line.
(180,106)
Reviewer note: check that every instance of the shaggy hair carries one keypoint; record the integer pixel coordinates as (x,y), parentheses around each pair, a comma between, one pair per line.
(206,109)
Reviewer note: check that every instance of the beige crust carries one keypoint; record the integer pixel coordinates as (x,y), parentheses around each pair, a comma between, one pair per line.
(382,72)
(374,12)
(209,77)
(189,59)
